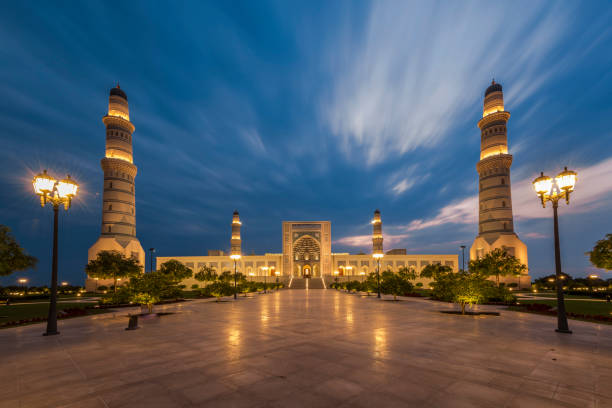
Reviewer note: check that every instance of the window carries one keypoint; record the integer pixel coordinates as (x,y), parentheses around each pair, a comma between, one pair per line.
(109,229)
(503,181)
(505,225)
(110,185)
(503,204)
(110,207)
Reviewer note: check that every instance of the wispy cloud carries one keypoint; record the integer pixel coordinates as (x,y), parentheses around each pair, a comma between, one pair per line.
(534,235)
(418,70)
(593,190)
(363,241)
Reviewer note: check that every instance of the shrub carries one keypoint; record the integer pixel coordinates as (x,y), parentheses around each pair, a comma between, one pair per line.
(219,289)
(195,286)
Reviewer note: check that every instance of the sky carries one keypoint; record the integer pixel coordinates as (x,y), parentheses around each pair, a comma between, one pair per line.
(317,110)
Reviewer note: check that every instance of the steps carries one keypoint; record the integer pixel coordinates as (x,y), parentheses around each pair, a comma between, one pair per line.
(312,283)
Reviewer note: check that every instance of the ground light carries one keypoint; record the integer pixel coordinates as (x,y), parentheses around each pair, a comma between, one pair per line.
(56,193)
(549,189)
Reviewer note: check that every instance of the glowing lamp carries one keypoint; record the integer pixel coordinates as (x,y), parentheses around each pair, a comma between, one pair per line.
(377,255)
(566,180)
(235,257)
(67,188)
(43,184)
(542,184)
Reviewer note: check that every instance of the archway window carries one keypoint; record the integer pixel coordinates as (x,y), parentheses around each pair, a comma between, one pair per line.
(503,204)
(503,181)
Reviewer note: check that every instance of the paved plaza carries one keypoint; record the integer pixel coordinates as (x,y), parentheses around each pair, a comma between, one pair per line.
(308,348)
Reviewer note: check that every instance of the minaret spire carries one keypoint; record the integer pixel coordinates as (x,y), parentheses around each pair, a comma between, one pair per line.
(495,219)
(118,199)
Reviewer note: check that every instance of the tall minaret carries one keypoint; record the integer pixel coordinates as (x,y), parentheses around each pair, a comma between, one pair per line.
(236,242)
(377,238)
(118,199)
(495,220)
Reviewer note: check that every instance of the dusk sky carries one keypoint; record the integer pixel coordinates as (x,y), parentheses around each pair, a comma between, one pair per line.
(305,111)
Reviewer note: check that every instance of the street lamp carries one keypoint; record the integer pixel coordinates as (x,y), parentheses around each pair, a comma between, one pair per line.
(57,193)
(235,258)
(265,270)
(549,189)
(463,257)
(378,257)
(23,281)
(152,251)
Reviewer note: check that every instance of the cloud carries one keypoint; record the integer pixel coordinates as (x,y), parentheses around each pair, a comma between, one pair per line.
(534,235)
(418,71)
(593,190)
(362,241)
(402,186)
(251,136)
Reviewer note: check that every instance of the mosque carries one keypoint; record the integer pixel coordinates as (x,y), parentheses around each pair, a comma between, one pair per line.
(306,245)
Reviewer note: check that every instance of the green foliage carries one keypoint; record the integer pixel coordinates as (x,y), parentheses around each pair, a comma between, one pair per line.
(13,258)
(153,286)
(219,289)
(145,299)
(102,288)
(601,255)
(195,286)
(206,274)
(175,270)
(226,276)
(469,288)
(407,273)
(394,284)
(434,270)
(113,265)
(123,295)
(497,263)
(419,284)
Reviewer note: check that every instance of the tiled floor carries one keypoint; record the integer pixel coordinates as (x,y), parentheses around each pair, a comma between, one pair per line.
(316,348)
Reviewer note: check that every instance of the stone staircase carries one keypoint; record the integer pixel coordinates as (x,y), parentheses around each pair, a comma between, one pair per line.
(302,283)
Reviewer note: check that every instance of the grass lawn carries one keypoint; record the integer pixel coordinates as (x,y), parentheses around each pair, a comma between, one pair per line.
(19,312)
(554,295)
(579,306)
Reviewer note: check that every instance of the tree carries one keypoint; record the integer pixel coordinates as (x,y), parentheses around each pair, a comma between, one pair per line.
(497,263)
(176,270)
(601,255)
(206,274)
(219,289)
(394,284)
(433,270)
(407,273)
(149,288)
(113,265)
(13,258)
(469,288)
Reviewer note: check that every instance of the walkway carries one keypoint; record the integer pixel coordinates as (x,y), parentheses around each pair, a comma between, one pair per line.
(315,348)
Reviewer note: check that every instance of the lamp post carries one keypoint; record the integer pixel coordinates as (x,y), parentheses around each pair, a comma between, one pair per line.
(151,251)
(549,189)
(23,281)
(378,257)
(265,270)
(235,258)
(56,193)
(463,257)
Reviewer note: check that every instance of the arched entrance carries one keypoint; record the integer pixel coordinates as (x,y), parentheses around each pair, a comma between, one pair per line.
(306,257)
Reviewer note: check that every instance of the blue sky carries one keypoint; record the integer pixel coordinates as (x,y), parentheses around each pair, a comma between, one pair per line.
(305,110)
